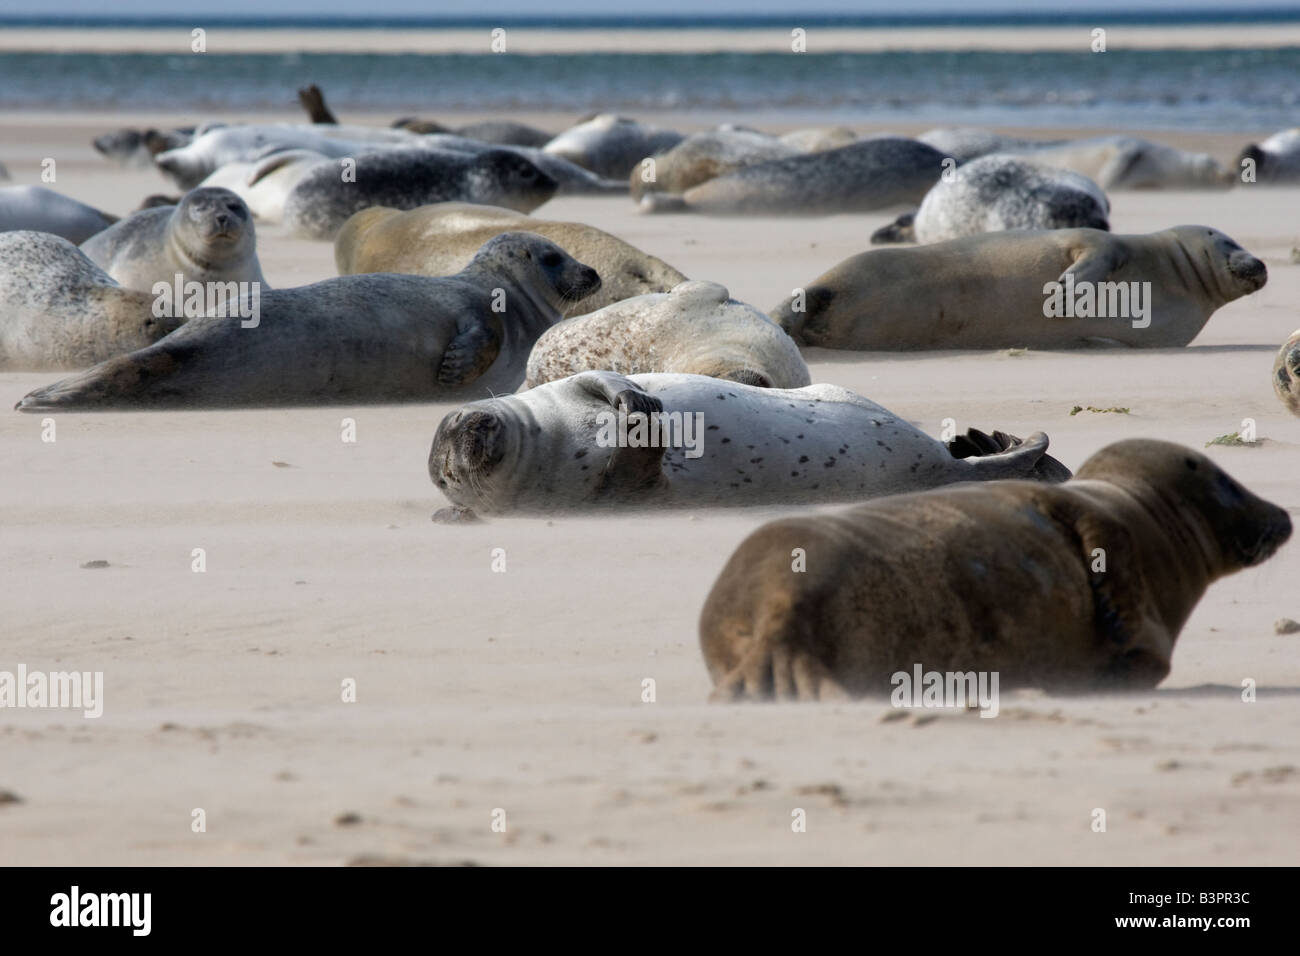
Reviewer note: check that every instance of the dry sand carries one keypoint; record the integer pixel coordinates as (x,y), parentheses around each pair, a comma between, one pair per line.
(523,690)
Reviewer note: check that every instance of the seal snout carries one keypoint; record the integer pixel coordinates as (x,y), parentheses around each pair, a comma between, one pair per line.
(1242,265)
(1275,533)
(468,444)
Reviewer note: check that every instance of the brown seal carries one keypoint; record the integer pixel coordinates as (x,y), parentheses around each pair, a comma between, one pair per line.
(1003,577)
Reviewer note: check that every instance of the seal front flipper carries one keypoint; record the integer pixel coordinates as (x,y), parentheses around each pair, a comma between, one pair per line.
(621,392)
(631,468)
(1138,644)
(1094,265)
(470,353)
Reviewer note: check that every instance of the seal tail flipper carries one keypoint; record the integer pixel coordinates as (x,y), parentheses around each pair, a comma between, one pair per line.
(313,102)
(126,380)
(1001,455)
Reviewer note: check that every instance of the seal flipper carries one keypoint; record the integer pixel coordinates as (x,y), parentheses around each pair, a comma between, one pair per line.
(127,380)
(469,354)
(630,470)
(1001,455)
(1092,265)
(1139,644)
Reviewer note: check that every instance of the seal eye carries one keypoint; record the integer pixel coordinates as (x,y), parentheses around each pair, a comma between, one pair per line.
(1191,464)
(551,259)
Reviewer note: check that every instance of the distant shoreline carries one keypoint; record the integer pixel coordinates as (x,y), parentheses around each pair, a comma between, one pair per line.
(746,38)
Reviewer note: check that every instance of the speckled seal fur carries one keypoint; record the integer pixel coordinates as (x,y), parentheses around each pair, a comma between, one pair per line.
(1286,373)
(996,193)
(697,329)
(540,450)
(860,177)
(207,237)
(58,310)
(321,201)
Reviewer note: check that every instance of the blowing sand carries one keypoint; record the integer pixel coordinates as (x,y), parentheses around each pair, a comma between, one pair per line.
(522,691)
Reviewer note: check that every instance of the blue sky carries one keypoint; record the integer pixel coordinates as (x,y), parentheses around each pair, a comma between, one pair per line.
(480,8)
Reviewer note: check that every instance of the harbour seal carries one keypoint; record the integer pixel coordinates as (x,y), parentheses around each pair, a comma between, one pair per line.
(38,209)
(190,164)
(58,310)
(264,185)
(1112,162)
(570,178)
(995,193)
(372,338)
(1286,373)
(207,237)
(1082,586)
(818,139)
(1130,162)
(610,145)
(320,202)
(137,147)
(697,329)
(964,143)
(703,156)
(991,291)
(863,176)
(1276,160)
(439,239)
(556,448)
(500,132)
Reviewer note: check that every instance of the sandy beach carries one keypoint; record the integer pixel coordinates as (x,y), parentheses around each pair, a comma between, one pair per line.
(536,40)
(522,691)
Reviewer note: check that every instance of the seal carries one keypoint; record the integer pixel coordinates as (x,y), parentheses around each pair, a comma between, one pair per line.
(371,338)
(39,209)
(137,147)
(696,329)
(1276,160)
(998,289)
(964,143)
(997,193)
(1286,373)
(440,239)
(207,237)
(704,156)
(58,310)
(818,139)
(264,185)
(560,447)
(499,132)
(321,201)
(611,145)
(189,165)
(863,176)
(1130,162)
(1081,586)
(1112,162)
(570,178)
